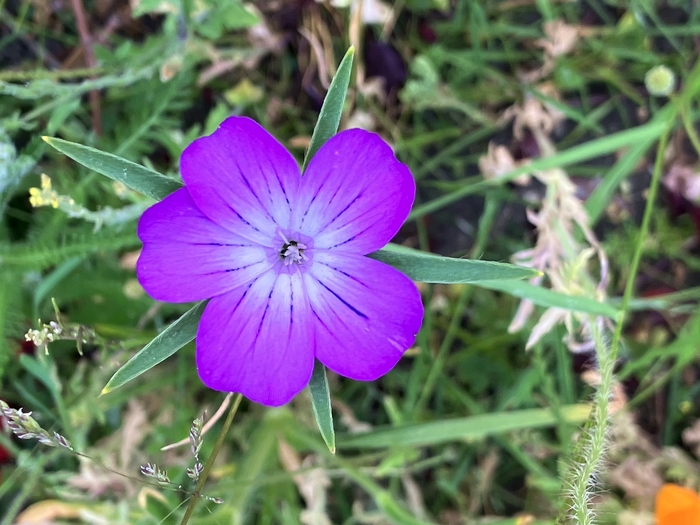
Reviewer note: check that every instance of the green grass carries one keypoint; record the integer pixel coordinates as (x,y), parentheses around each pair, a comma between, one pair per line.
(469,427)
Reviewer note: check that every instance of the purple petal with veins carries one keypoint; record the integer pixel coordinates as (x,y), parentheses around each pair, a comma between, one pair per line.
(282,259)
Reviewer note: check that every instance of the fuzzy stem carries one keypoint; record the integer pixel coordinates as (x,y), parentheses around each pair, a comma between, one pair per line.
(593,437)
(589,451)
(210,462)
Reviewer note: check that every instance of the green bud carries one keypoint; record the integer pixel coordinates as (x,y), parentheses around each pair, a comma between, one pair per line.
(660,81)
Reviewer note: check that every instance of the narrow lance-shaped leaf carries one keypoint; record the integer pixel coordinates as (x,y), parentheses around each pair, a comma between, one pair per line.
(321,396)
(132,175)
(159,349)
(430,268)
(551,299)
(326,127)
(332,109)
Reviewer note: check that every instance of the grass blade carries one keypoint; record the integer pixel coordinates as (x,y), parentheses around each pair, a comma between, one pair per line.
(592,149)
(466,428)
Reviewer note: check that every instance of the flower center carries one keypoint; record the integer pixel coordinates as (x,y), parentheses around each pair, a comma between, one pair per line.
(292,252)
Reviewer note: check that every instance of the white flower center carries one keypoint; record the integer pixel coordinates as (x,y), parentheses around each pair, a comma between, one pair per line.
(293,253)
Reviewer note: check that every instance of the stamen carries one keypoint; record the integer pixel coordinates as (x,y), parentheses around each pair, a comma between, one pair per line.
(284,238)
(293,252)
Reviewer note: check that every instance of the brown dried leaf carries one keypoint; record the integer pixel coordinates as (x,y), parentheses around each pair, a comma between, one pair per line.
(560,38)
(498,162)
(683,180)
(638,479)
(48,511)
(312,484)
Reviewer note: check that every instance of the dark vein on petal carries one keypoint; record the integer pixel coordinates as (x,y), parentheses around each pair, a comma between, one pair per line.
(267,184)
(284,191)
(248,185)
(352,308)
(291,304)
(313,199)
(227,270)
(241,299)
(242,219)
(352,238)
(267,307)
(357,219)
(220,244)
(330,201)
(346,274)
(349,205)
(332,333)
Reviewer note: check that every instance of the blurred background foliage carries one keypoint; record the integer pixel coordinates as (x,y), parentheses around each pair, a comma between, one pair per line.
(466,91)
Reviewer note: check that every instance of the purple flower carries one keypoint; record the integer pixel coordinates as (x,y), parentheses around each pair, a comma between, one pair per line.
(282,259)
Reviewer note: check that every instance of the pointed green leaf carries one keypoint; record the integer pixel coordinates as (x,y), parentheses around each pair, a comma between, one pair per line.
(159,349)
(321,398)
(551,299)
(134,176)
(332,109)
(430,268)
(326,126)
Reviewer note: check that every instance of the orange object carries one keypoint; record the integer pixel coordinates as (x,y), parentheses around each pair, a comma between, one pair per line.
(676,505)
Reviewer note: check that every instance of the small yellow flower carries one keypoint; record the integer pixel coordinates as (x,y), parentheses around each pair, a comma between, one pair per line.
(45,182)
(46,195)
(35,198)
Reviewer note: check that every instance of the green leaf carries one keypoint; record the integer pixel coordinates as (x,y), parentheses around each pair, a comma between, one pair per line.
(326,127)
(145,181)
(548,298)
(430,268)
(159,349)
(321,400)
(460,429)
(332,109)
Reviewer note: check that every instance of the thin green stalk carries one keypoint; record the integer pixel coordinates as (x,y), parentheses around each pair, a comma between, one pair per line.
(485,224)
(690,129)
(590,448)
(643,232)
(60,74)
(210,462)
(439,361)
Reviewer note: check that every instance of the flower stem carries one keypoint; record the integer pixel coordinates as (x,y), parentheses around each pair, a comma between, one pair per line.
(593,437)
(210,462)
(643,232)
(588,452)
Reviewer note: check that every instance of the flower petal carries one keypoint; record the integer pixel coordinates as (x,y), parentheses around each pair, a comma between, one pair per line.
(367,314)
(676,505)
(257,340)
(354,195)
(187,257)
(242,178)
